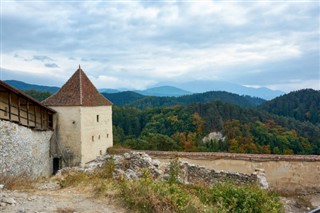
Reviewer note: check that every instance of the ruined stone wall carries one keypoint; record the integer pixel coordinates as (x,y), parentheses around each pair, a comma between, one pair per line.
(24,151)
(286,173)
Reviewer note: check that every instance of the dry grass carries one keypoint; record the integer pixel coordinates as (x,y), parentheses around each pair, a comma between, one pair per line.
(21,181)
(66,210)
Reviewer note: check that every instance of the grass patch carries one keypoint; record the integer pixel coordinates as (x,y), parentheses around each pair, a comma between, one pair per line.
(73,179)
(66,210)
(161,196)
(18,182)
(149,195)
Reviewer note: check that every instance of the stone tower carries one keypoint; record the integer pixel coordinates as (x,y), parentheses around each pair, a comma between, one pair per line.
(83,121)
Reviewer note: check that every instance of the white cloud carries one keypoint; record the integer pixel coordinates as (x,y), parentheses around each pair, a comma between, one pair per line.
(140,43)
(296,85)
(114,82)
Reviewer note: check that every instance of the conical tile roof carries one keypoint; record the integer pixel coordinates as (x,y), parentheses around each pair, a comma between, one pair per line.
(77,91)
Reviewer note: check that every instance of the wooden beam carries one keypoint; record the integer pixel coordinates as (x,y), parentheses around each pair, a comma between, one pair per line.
(19,112)
(41,122)
(28,113)
(9,105)
(35,116)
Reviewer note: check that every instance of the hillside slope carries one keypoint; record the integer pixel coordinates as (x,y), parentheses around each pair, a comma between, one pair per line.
(164,91)
(25,86)
(142,102)
(302,105)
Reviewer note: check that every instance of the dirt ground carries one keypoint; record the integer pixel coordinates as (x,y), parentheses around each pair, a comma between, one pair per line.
(301,204)
(71,200)
(67,200)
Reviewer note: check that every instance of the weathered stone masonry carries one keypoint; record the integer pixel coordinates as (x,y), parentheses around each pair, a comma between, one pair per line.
(24,151)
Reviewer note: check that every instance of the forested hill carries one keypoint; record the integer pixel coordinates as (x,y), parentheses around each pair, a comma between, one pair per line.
(302,105)
(26,87)
(123,98)
(142,102)
(184,127)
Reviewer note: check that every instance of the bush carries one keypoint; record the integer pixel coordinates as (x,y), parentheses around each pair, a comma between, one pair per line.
(174,171)
(149,195)
(161,196)
(234,198)
(107,169)
(73,179)
(146,195)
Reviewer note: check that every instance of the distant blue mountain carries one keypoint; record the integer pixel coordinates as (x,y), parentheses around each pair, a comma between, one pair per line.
(175,90)
(204,86)
(164,91)
(25,86)
(104,90)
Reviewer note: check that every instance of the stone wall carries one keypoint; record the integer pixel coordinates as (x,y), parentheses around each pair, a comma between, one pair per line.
(131,165)
(24,151)
(286,173)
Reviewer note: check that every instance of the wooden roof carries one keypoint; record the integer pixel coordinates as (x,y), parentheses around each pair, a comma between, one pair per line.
(22,94)
(77,91)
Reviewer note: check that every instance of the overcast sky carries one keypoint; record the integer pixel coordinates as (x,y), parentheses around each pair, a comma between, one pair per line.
(137,44)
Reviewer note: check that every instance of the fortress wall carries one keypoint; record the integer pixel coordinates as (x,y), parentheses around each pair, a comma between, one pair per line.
(24,151)
(286,173)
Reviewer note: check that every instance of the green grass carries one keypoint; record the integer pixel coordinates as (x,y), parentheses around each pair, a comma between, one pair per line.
(149,195)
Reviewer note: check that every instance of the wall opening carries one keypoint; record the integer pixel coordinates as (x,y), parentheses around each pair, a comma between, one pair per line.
(56,165)
(97,118)
(50,121)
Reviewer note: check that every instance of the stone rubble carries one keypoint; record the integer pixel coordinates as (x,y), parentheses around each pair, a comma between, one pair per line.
(130,166)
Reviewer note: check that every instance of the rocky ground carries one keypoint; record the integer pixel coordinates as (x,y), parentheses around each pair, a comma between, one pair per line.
(47,196)
(54,200)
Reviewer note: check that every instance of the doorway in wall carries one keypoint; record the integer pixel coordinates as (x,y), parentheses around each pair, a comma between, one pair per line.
(56,165)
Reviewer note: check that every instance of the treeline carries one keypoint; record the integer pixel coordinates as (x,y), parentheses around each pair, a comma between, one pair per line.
(135,100)
(182,128)
(286,125)
(302,105)
(38,95)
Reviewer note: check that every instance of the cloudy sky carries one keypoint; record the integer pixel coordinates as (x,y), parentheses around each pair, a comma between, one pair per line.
(138,44)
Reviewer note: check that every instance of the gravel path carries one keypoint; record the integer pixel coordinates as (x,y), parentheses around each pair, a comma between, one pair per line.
(47,201)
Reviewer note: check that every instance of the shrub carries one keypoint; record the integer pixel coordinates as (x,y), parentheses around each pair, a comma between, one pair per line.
(107,169)
(146,195)
(21,181)
(73,179)
(234,198)
(174,171)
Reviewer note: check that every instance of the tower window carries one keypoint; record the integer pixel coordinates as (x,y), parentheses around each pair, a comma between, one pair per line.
(92,138)
(99,137)
(97,118)
(107,135)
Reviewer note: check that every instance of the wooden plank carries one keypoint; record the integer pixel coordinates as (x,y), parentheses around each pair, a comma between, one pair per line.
(9,105)
(19,112)
(35,116)
(28,112)
(41,122)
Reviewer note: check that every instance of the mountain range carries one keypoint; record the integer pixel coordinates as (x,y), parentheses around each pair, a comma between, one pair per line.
(200,86)
(25,86)
(178,89)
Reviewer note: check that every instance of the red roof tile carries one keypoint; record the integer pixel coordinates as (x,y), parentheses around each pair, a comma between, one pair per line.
(77,91)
